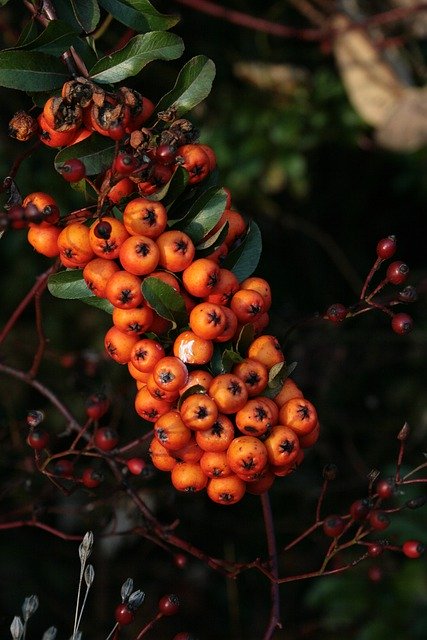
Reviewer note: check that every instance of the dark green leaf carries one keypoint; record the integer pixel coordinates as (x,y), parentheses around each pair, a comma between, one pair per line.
(99,303)
(55,39)
(245,339)
(216,363)
(31,71)
(69,285)
(204,214)
(86,13)
(140,50)
(196,388)
(28,33)
(172,189)
(192,85)
(3,2)
(139,15)
(96,152)
(167,302)
(244,259)
(206,248)
(277,376)
(230,358)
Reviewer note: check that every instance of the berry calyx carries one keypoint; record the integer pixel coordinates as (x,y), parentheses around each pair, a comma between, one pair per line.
(386,247)
(123,615)
(336,313)
(397,272)
(333,526)
(169,605)
(106,438)
(73,170)
(402,323)
(38,439)
(413,548)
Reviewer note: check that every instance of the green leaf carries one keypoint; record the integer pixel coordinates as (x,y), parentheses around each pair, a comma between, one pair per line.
(96,152)
(192,85)
(99,303)
(204,214)
(277,376)
(206,248)
(230,358)
(172,189)
(86,13)
(167,302)
(31,71)
(139,15)
(140,50)
(245,339)
(55,39)
(244,259)
(68,285)
(28,33)
(216,363)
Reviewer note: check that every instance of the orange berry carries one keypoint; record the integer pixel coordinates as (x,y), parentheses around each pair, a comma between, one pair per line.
(211,155)
(145,217)
(310,438)
(75,250)
(192,349)
(137,375)
(170,373)
(263,483)
(248,305)
(282,446)
(122,189)
(225,288)
(171,432)
(44,240)
(218,437)
(134,321)
(123,290)
(148,407)
(160,456)
(146,353)
(229,393)
(228,490)
(200,277)
(289,390)
(191,452)
(46,205)
(261,286)
(97,273)
(255,418)
(139,255)
(299,414)
(107,236)
(231,326)
(188,477)
(207,320)
(195,160)
(266,349)
(160,394)
(236,226)
(199,411)
(247,455)
(166,277)
(214,464)
(119,345)
(254,374)
(176,250)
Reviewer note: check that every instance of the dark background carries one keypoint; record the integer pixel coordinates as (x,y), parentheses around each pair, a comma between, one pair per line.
(306,168)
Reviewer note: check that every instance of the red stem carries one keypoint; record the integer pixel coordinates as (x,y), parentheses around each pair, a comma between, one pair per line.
(274,622)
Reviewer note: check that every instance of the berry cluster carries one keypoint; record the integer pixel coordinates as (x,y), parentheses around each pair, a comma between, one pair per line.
(212,429)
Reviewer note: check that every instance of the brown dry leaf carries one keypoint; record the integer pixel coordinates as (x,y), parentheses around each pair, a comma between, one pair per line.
(373,87)
(406,126)
(283,79)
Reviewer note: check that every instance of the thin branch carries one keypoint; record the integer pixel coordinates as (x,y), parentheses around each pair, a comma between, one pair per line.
(274,622)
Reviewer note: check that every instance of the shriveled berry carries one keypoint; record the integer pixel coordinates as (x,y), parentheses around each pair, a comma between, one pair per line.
(169,605)
(336,313)
(106,438)
(402,323)
(73,170)
(397,272)
(34,418)
(333,526)
(386,247)
(378,520)
(38,439)
(123,614)
(413,548)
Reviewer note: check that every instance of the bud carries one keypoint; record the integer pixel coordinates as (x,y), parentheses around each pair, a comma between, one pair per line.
(29,607)
(126,589)
(50,634)
(17,628)
(89,575)
(330,471)
(136,599)
(85,547)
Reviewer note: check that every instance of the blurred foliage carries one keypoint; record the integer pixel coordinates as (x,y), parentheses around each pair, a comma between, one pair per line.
(303,165)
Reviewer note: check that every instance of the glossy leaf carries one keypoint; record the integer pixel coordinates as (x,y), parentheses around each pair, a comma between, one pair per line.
(245,339)
(204,249)
(171,190)
(86,13)
(196,388)
(96,152)
(276,377)
(99,303)
(165,300)
(68,285)
(54,40)
(139,15)
(229,359)
(31,71)
(140,50)
(28,33)
(204,214)
(192,85)
(244,259)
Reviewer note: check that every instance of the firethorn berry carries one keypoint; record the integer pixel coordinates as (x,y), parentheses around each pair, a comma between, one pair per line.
(136,465)
(195,160)
(207,320)
(123,614)
(413,548)
(248,305)
(44,240)
(198,377)
(145,217)
(299,414)
(106,438)
(288,391)
(97,405)
(282,446)
(254,375)
(190,453)
(218,437)
(310,438)
(168,605)
(402,323)
(225,288)
(211,155)
(146,353)
(139,255)
(333,526)
(119,345)
(397,272)
(188,477)
(229,393)
(266,349)
(176,250)
(106,237)
(192,349)
(261,286)
(386,247)
(160,456)
(171,431)
(247,455)
(44,203)
(359,509)
(180,560)
(231,325)
(201,277)
(214,464)
(255,418)
(226,490)
(170,373)
(199,411)
(91,478)
(160,394)
(52,138)
(375,549)
(73,170)
(38,439)
(75,250)
(378,519)
(133,321)
(123,290)
(336,313)
(122,189)
(165,154)
(125,164)
(385,488)
(148,407)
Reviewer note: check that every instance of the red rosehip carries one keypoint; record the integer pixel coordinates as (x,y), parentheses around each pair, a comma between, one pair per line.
(106,438)
(397,272)
(180,560)
(124,164)
(375,549)
(165,154)
(169,605)
(97,406)
(91,478)
(413,548)
(63,468)
(38,439)
(385,488)
(359,509)
(378,520)
(123,614)
(386,247)
(333,526)
(402,323)
(73,170)
(336,313)
(136,465)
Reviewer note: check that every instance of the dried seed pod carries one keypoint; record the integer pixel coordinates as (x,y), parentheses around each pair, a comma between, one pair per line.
(78,91)
(22,126)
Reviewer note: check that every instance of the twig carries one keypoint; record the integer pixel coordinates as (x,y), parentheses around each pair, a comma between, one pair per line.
(274,622)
